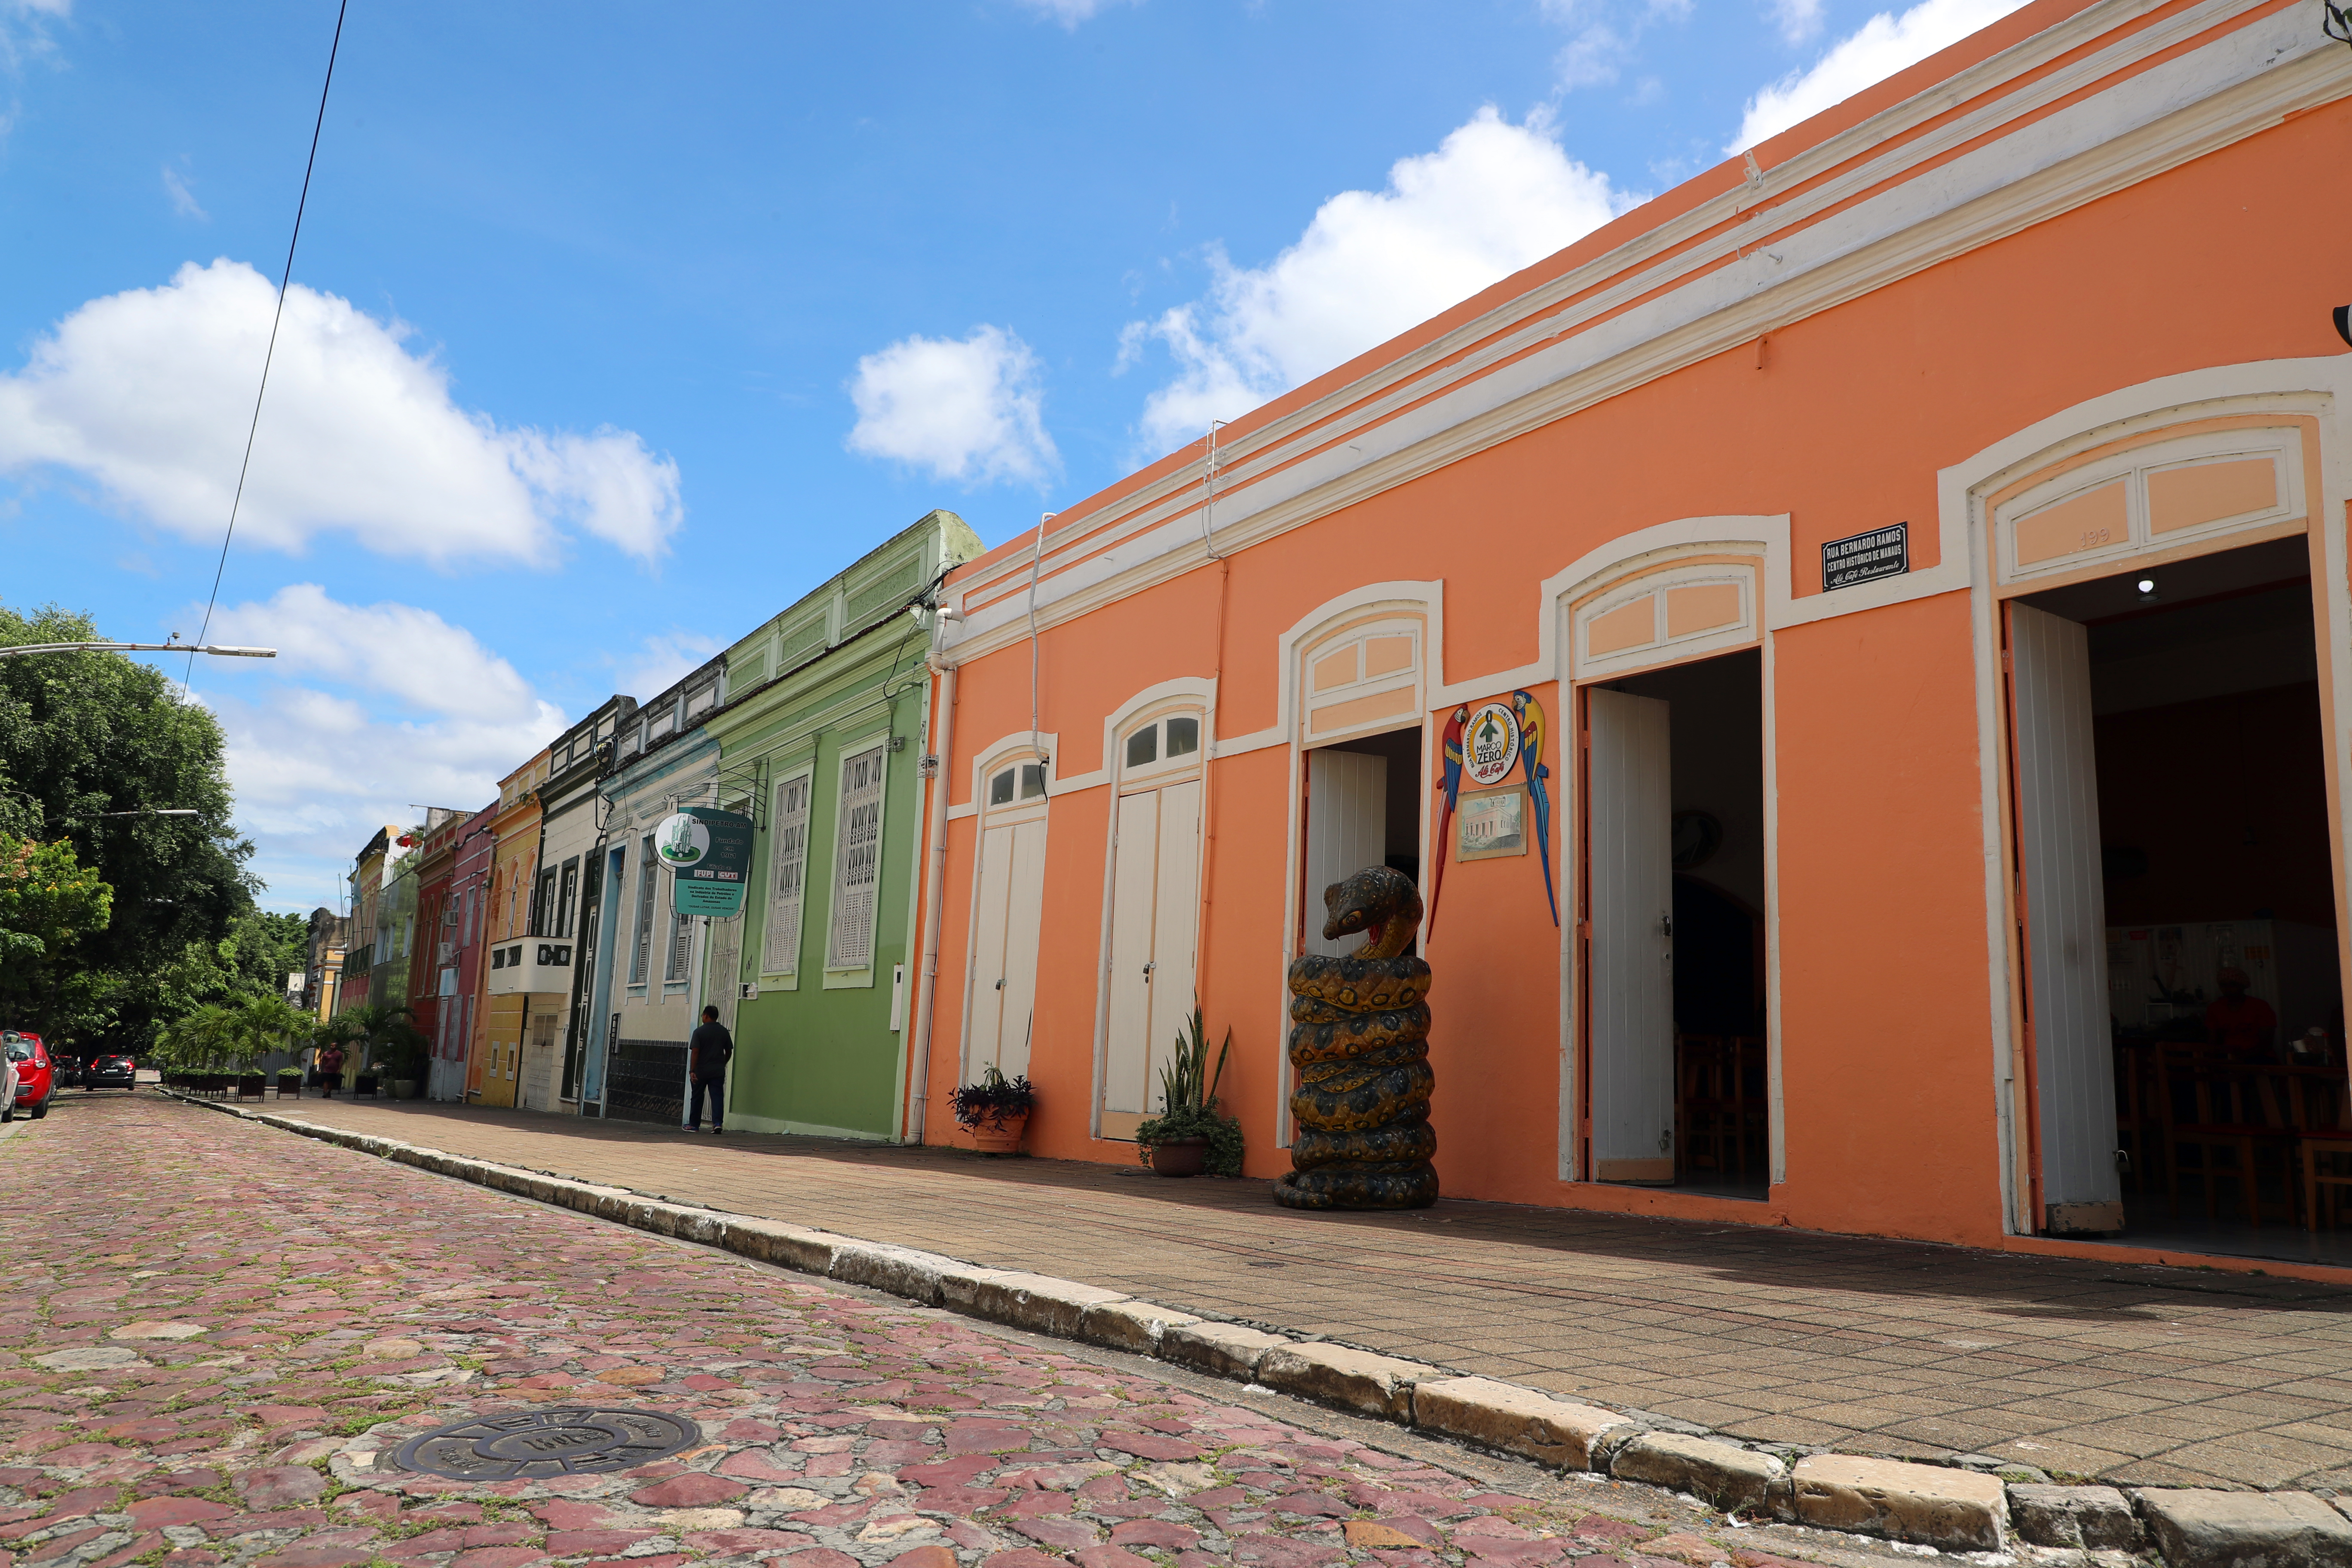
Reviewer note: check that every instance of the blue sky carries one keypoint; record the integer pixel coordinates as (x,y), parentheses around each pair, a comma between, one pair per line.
(615,328)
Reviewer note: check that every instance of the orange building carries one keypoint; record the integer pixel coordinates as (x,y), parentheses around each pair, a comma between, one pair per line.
(505,1019)
(1920,544)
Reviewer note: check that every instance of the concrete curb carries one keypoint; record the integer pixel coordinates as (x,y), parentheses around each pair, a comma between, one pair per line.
(1945,1507)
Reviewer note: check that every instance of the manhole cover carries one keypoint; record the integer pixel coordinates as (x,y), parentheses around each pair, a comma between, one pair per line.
(571,1441)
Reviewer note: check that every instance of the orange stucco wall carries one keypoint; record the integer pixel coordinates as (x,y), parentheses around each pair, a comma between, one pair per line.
(1886,987)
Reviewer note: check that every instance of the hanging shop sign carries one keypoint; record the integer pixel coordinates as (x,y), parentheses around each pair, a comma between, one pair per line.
(1490,746)
(708,852)
(1493,823)
(1864,557)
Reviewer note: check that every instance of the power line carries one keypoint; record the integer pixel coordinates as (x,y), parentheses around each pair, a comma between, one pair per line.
(286,278)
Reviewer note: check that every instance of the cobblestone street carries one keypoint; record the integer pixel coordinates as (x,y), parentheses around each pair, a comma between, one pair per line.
(2129,1373)
(218,1331)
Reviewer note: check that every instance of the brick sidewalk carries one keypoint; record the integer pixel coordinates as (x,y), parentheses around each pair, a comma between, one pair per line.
(2136,1375)
(214,1332)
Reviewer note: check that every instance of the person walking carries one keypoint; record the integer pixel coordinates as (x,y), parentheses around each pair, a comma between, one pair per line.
(331,1070)
(710,1050)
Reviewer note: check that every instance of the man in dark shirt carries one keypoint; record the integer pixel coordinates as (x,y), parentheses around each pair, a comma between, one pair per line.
(708,1051)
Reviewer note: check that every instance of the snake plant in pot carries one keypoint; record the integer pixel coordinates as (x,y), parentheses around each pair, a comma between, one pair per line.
(1192,1132)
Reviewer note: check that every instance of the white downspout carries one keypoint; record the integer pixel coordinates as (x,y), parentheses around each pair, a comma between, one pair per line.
(943,691)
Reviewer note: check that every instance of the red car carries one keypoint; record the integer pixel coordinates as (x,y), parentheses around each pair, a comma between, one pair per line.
(35,1075)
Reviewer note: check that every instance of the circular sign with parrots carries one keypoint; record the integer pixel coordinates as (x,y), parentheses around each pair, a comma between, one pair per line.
(1490,746)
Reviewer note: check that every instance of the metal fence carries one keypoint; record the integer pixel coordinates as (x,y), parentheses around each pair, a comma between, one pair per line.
(646,1081)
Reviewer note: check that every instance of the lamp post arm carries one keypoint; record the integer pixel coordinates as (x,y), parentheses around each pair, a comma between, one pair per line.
(222,649)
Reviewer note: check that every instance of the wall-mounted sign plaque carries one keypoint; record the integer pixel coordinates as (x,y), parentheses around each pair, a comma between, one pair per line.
(1881,552)
(1490,746)
(708,852)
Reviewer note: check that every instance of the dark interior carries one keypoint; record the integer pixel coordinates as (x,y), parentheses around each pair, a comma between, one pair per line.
(2216,855)
(1402,748)
(1716,733)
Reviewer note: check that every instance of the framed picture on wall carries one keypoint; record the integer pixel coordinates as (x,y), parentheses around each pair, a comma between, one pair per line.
(1491,824)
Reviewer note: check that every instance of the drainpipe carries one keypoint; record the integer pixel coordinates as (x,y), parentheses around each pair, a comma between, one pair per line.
(926,978)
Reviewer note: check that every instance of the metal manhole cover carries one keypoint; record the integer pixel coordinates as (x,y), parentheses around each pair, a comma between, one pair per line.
(576,1440)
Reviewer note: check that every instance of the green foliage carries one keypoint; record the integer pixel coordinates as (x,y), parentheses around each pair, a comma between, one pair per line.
(83,735)
(388,1042)
(47,899)
(220,1035)
(1189,1104)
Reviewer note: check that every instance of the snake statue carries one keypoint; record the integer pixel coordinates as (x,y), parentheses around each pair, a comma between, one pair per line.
(1358,1053)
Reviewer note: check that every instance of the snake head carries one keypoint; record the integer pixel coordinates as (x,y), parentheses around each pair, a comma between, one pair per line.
(1379,900)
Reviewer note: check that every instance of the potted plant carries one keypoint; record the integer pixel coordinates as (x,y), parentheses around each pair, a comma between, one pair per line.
(995,1110)
(289,1083)
(1192,1133)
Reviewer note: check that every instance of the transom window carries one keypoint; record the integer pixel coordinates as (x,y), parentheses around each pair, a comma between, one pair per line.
(1027,778)
(1167,740)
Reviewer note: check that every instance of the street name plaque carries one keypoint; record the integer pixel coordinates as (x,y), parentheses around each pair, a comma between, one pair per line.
(573,1441)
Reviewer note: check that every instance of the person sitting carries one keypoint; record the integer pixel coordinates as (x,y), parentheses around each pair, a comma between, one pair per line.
(2242,1024)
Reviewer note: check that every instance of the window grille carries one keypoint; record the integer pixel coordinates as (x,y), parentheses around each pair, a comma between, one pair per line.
(782,954)
(856,862)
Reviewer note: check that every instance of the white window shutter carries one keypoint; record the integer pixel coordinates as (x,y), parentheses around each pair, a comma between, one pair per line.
(681,948)
(856,862)
(641,958)
(781,953)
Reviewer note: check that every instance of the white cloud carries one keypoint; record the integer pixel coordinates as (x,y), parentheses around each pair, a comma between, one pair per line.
(398,650)
(662,660)
(148,393)
(1798,20)
(967,409)
(1494,197)
(1869,55)
(369,709)
(183,200)
(24,29)
(1069,12)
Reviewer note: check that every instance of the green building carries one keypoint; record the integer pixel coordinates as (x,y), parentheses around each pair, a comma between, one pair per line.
(821,738)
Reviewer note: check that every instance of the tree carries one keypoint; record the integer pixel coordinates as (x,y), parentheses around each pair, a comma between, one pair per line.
(85,735)
(47,899)
(389,1039)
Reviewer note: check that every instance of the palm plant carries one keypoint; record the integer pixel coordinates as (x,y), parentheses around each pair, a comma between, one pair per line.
(265,1024)
(391,1041)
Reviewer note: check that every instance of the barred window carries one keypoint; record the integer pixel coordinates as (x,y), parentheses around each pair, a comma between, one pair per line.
(856,862)
(788,872)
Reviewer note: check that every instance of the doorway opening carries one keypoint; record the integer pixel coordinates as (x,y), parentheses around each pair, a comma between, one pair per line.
(2181,979)
(1678,1006)
(1364,807)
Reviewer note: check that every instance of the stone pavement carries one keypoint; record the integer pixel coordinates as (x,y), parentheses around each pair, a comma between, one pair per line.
(216,1331)
(2131,1374)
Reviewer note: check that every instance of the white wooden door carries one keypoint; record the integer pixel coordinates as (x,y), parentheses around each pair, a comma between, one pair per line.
(1630,799)
(721,986)
(2065,917)
(1005,948)
(1347,830)
(1155,917)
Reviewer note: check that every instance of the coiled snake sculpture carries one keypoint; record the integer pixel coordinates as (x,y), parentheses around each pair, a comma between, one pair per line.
(1358,1052)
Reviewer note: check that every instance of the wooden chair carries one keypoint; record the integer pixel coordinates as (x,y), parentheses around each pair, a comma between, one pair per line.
(2213,1103)
(1719,1126)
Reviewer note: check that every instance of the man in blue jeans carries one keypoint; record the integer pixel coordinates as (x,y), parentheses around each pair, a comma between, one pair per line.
(709,1052)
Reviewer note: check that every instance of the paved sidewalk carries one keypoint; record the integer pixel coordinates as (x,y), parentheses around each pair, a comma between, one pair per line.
(2153,1376)
(213,1329)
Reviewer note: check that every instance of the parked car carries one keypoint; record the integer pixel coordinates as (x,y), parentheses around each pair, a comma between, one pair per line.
(36,1076)
(108,1072)
(68,1069)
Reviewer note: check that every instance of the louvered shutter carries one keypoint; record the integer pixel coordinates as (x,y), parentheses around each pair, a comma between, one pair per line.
(782,954)
(681,947)
(641,958)
(856,862)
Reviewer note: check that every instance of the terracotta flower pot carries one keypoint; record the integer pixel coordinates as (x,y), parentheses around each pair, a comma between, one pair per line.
(1179,1157)
(1000,1136)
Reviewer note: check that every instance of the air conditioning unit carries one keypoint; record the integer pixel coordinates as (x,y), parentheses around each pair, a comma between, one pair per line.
(446,953)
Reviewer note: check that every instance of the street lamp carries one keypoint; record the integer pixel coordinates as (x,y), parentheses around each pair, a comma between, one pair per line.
(174,645)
